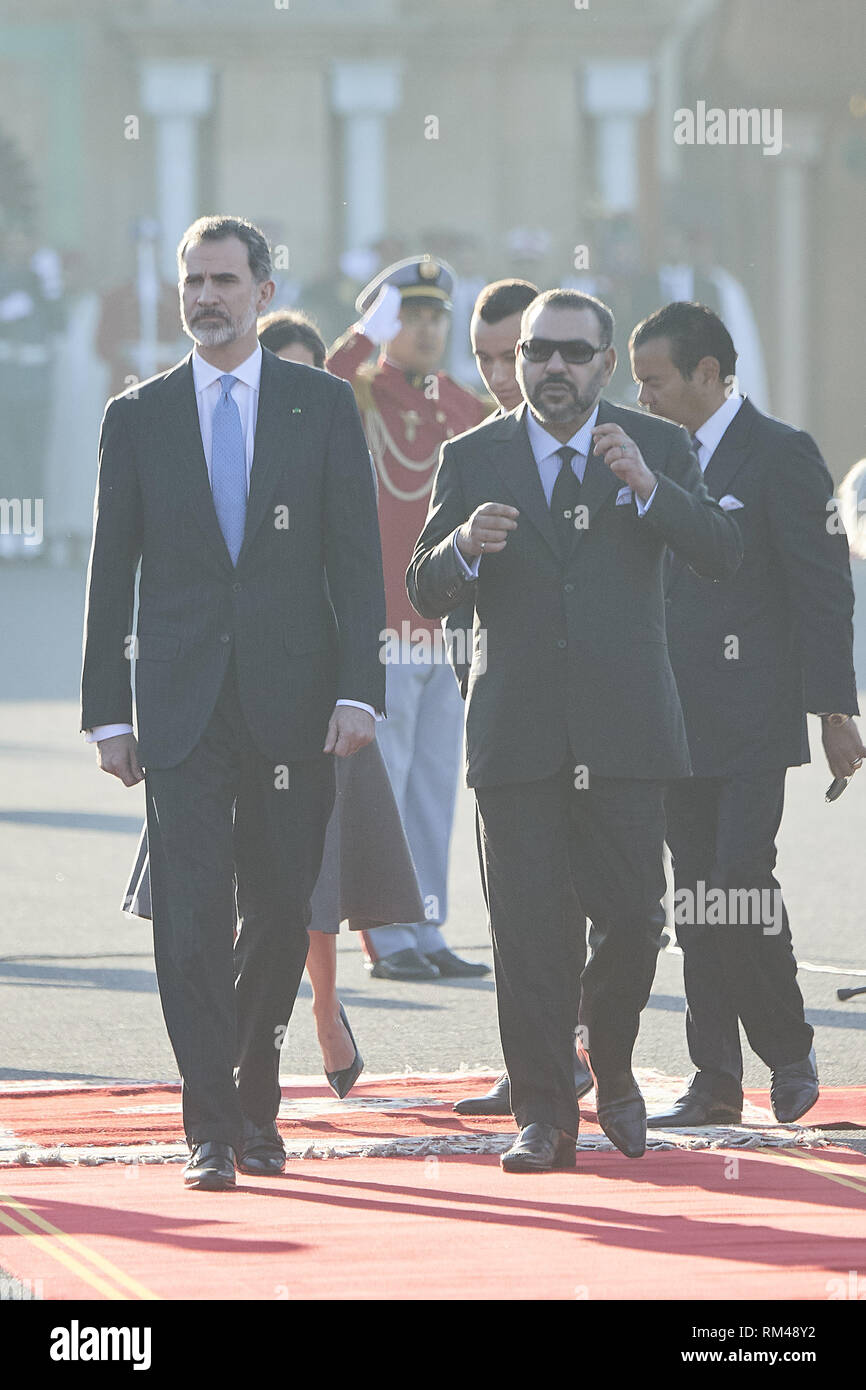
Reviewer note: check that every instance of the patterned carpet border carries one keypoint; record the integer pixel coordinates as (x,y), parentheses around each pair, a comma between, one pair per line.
(759,1131)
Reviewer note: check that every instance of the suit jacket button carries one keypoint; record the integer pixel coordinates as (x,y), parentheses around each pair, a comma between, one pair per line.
(569,588)
(236,588)
(562,642)
(225,637)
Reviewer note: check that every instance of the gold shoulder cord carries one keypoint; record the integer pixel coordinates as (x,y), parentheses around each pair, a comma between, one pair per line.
(381,442)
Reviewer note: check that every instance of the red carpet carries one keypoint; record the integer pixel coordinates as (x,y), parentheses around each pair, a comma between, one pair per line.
(399,1107)
(672,1225)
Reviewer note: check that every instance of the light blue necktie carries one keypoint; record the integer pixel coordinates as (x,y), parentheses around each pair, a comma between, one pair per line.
(229,468)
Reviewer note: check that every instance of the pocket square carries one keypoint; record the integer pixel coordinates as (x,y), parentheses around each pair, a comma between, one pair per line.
(729,503)
(624,496)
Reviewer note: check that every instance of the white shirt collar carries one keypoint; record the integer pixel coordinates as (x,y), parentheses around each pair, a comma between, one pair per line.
(544,444)
(204,374)
(710,433)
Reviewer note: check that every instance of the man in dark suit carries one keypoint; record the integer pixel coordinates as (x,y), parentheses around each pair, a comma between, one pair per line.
(751,655)
(574,724)
(494,332)
(243,485)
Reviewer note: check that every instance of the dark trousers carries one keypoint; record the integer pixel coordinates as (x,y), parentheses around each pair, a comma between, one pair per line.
(553,856)
(722,834)
(227,821)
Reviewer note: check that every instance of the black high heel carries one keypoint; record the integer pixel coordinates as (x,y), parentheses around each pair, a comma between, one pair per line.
(341,1082)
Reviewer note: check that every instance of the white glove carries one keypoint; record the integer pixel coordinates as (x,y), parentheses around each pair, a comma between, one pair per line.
(381,322)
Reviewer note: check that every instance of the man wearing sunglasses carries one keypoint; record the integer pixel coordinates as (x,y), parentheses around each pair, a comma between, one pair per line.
(574,724)
(494,332)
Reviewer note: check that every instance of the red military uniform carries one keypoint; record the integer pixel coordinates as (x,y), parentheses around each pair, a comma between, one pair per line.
(406,419)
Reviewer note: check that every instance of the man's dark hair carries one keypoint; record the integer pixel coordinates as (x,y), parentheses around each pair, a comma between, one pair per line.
(217,228)
(504,298)
(573,299)
(693,331)
(285,326)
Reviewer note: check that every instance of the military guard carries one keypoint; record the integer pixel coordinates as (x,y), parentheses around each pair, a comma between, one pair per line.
(410,408)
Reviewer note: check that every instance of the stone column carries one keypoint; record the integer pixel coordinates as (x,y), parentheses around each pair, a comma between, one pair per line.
(794,272)
(177,94)
(616,95)
(364,94)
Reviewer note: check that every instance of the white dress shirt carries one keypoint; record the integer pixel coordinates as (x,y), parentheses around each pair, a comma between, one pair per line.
(548,462)
(710,433)
(245,394)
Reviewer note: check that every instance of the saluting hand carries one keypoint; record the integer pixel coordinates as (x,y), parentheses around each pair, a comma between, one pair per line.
(625,459)
(487,529)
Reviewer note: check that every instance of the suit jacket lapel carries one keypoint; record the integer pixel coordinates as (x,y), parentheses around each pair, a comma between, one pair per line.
(727,460)
(515,462)
(279,419)
(731,453)
(183,435)
(598,480)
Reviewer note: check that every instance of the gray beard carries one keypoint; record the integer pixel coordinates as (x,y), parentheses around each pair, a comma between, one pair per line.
(220,334)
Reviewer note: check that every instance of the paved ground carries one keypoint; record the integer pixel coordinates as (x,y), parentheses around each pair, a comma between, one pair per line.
(76,978)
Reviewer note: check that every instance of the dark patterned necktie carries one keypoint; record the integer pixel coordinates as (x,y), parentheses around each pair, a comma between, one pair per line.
(564,499)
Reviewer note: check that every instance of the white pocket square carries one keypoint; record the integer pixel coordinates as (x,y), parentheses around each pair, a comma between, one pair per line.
(729,503)
(624,496)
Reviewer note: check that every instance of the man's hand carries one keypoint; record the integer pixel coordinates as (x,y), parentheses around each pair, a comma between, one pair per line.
(624,458)
(842,746)
(486,530)
(349,729)
(119,756)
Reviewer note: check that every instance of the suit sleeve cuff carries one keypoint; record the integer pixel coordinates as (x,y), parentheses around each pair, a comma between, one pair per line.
(643,507)
(470,571)
(106,731)
(359,704)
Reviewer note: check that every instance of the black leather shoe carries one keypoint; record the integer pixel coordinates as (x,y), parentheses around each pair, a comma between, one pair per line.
(540,1148)
(341,1082)
(583,1081)
(621,1113)
(262,1153)
(403,965)
(496,1101)
(210,1167)
(794,1089)
(447,963)
(694,1109)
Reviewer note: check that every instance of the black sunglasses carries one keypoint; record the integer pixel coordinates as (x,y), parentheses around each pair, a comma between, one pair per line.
(573,350)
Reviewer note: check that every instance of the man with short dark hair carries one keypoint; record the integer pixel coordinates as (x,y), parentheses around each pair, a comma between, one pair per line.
(494,330)
(751,655)
(241,483)
(573,725)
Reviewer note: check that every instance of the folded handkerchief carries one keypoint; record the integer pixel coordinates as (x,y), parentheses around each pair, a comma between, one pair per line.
(624,496)
(729,503)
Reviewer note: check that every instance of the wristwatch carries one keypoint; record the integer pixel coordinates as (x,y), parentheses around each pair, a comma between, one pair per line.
(835,718)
